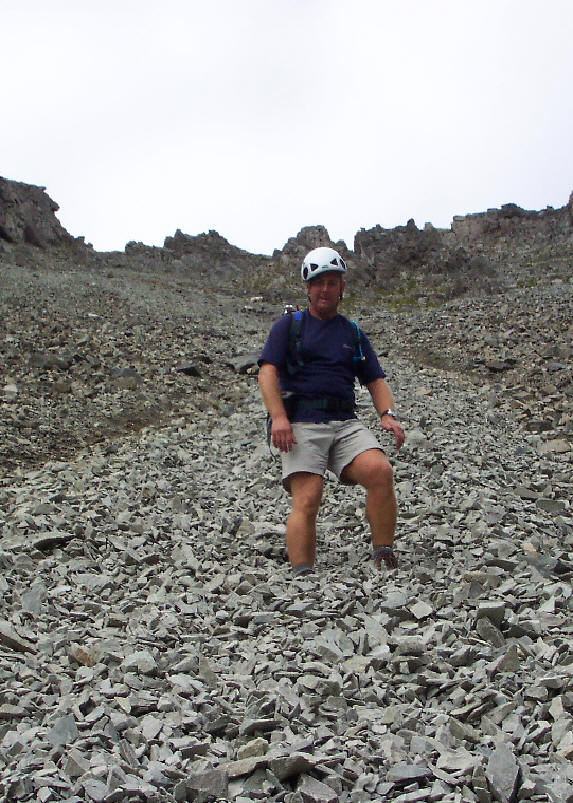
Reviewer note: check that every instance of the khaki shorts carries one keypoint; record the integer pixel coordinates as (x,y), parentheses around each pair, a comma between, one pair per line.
(326,447)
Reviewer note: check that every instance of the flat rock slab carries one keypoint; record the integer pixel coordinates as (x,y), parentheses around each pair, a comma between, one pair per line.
(10,638)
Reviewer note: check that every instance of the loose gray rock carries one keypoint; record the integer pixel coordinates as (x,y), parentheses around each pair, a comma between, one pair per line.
(503,774)
(64,731)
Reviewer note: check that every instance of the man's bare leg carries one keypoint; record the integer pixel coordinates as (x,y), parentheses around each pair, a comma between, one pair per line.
(372,470)
(306,490)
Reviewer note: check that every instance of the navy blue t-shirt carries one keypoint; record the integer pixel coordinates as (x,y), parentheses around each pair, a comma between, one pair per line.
(329,369)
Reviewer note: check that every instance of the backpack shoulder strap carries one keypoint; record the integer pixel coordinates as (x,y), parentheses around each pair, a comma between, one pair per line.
(357,342)
(294,347)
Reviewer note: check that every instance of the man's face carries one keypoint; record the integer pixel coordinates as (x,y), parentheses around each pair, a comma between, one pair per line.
(325,292)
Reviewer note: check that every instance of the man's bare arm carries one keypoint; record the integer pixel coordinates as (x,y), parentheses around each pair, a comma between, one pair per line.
(383,400)
(282,435)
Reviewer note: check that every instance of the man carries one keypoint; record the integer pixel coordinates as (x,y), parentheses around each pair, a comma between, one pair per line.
(320,430)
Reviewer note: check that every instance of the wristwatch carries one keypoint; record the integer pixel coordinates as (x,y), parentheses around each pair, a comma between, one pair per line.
(390,412)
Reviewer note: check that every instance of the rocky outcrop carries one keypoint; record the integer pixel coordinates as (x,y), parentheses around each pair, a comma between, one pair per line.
(209,257)
(512,220)
(478,251)
(309,237)
(211,254)
(430,262)
(28,215)
(387,252)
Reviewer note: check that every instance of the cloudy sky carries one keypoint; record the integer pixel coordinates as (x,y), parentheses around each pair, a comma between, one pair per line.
(258,117)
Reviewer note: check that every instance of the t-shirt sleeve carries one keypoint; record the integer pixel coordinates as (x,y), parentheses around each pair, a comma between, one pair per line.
(275,349)
(369,368)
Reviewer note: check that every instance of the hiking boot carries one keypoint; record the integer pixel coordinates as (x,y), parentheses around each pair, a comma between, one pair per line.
(385,555)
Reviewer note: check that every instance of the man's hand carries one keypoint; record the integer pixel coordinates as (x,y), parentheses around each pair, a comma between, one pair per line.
(391,425)
(282,436)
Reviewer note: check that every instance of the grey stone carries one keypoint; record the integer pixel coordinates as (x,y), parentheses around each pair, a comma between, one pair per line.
(76,764)
(9,712)
(94,788)
(457,761)
(421,610)
(94,582)
(489,632)
(404,774)
(494,611)
(254,747)
(211,782)
(244,766)
(510,661)
(63,731)
(555,506)
(464,732)
(314,791)
(32,599)
(414,796)
(10,638)
(560,790)
(141,661)
(503,773)
(293,765)
(243,363)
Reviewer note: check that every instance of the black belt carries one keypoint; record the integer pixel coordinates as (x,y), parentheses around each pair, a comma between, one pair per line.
(328,404)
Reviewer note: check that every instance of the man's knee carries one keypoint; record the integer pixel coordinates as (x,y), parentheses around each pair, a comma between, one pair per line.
(380,478)
(306,490)
(372,470)
(386,474)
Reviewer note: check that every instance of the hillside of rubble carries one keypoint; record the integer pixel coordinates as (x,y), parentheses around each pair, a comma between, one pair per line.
(154,645)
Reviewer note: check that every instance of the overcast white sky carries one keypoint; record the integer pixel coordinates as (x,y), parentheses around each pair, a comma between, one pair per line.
(258,117)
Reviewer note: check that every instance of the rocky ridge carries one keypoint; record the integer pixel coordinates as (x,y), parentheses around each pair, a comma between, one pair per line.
(153,645)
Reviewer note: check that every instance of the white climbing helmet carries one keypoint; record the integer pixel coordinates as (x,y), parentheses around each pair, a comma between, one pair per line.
(321,260)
